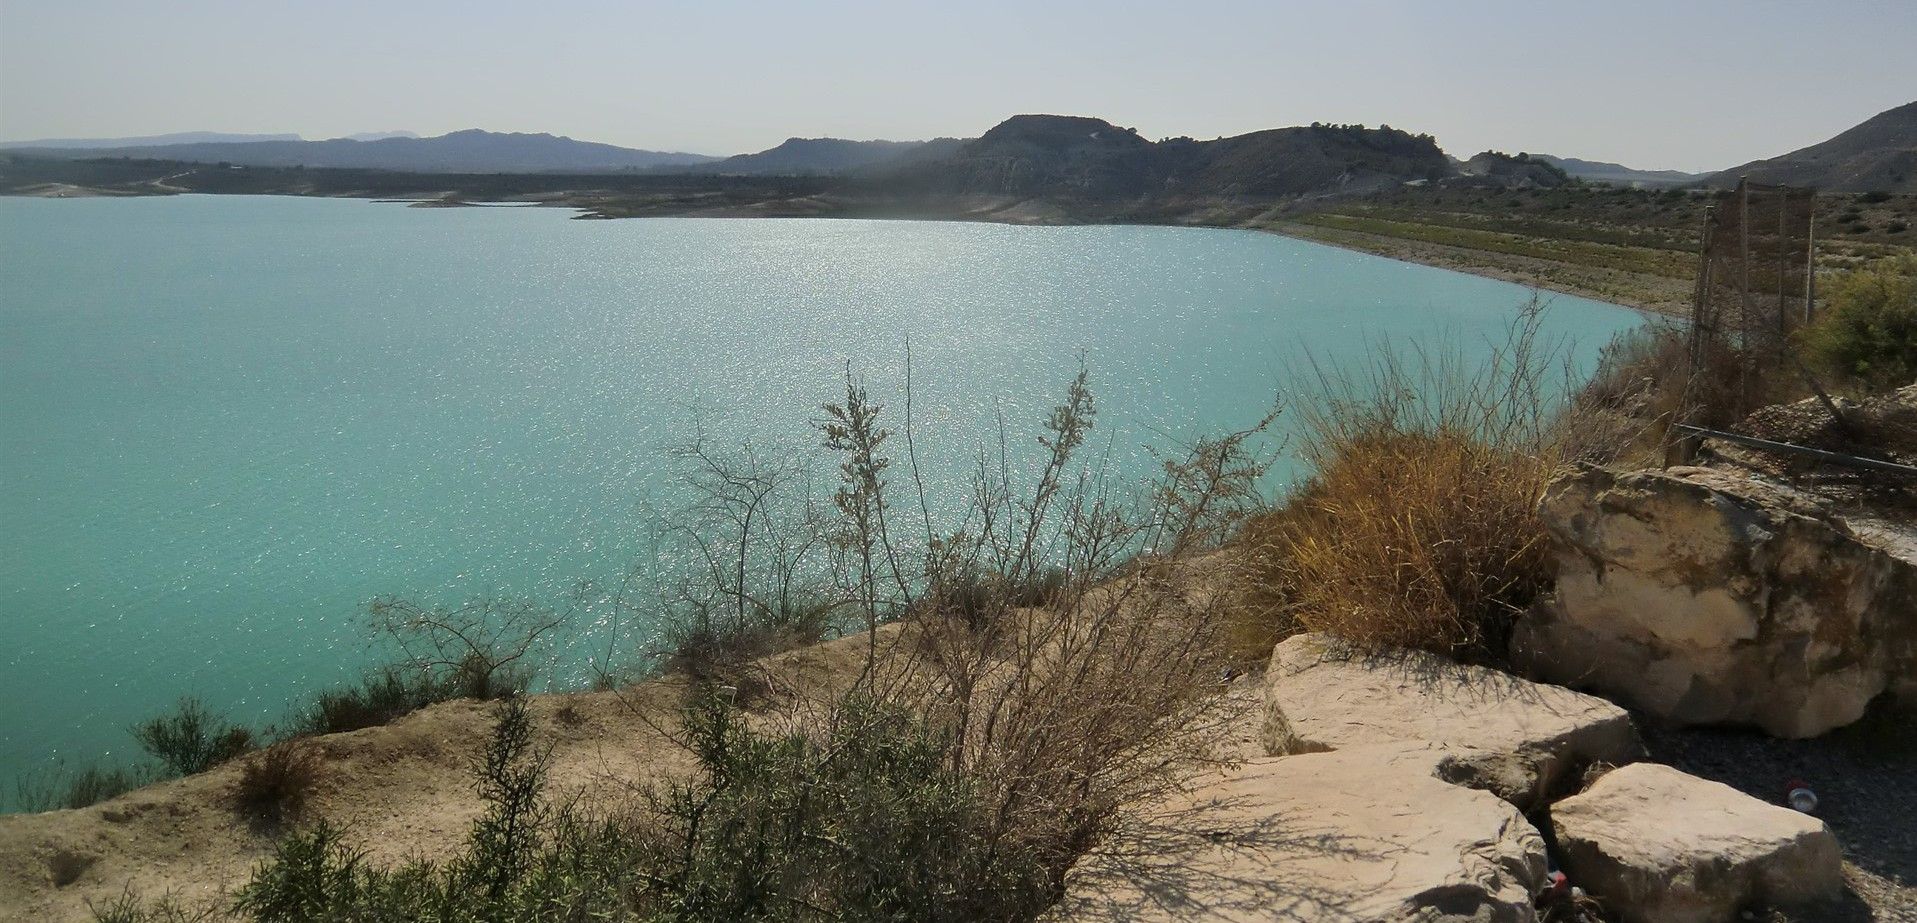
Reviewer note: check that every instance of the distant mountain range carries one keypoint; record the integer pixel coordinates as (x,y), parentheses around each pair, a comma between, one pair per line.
(1617,174)
(1879,155)
(470,151)
(1053,156)
(169,140)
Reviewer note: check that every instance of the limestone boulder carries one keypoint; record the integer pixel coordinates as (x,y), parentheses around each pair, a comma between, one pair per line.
(1704,597)
(1519,739)
(1366,834)
(1655,845)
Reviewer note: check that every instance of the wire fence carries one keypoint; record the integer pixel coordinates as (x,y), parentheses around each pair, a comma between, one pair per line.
(1756,286)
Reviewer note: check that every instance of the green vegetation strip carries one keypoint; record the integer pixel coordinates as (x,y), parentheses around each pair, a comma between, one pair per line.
(1580,253)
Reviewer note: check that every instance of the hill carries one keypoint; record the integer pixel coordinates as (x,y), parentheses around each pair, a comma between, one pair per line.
(813,155)
(470,151)
(1617,174)
(167,140)
(1075,157)
(1879,155)
(1498,170)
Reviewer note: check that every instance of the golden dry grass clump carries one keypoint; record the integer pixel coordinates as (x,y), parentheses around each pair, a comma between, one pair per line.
(1419,526)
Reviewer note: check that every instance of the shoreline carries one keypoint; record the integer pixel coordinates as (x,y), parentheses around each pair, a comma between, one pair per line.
(1647,295)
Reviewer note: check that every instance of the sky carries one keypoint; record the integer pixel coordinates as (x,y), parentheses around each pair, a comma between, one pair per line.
(1661,85)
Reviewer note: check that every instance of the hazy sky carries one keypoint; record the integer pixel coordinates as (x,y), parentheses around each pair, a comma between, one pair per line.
(1652,84)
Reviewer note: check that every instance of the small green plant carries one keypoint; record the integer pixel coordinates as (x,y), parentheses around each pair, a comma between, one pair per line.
(191,740)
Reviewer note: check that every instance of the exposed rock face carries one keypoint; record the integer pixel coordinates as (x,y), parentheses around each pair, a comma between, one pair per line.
(1516,738)
(1658,846)
(1705,597)
(1365,834)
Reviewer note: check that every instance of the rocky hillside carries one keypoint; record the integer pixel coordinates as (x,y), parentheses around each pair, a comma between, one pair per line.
(1075,157)
(1879,155)
(1498,170)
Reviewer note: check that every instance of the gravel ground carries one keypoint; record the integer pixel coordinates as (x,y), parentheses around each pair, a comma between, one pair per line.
(1865,777)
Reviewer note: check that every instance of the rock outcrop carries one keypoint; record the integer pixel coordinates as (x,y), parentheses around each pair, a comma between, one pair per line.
(1704,596)
(1659,846)
(1366,834)
(1516,738)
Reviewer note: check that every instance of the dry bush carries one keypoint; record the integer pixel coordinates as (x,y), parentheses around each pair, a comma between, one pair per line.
(1061,643)
(1057,645)
(1418,527)
(275,781)
(486,649)
(742,576)
(1625,410)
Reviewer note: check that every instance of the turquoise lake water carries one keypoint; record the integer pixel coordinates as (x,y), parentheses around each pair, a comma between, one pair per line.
(228,422)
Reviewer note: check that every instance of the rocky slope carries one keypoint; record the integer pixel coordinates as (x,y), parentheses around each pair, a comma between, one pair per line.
(1075,158)
(1878,155)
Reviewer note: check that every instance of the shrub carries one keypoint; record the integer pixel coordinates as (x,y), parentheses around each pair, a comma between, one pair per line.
(383,697)
(983,747)
(191,740)
(1627,406)
(274,782)
(861,819)
(129,908)
(865,821)
(979,599)
(93,785)
(752,581)
(1418,526)
(1868,330)
(88,786)
(481,650)
(721,650)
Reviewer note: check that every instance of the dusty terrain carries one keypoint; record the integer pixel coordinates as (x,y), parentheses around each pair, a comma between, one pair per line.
(401,790)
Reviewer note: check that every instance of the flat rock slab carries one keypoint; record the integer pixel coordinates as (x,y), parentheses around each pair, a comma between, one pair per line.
(1366,834)
(1528,737)
(1656,845)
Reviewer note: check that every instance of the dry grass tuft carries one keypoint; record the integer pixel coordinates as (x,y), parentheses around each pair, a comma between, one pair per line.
(275,781)
(1419,527)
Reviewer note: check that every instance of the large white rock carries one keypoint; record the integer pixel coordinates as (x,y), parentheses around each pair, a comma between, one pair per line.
(1353,836)
(1655,845)
(1702,596)
(1525,739)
